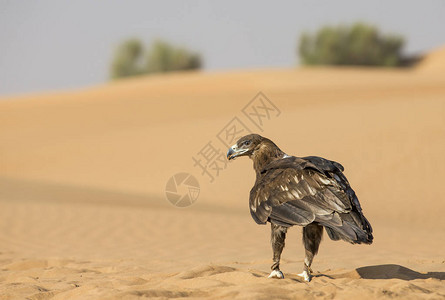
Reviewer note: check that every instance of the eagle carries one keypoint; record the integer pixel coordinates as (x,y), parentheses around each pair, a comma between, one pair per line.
(308,191)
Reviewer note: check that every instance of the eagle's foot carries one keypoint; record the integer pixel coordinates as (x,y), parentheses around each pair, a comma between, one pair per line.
(306,275)
(276,274)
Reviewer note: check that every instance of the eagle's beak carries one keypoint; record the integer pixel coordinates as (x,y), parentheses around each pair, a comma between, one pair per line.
(231,152)
(234,152)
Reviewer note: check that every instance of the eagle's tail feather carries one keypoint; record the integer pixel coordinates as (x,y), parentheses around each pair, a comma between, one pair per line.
(351,227)
(348,232)
(332,234)
(354,228)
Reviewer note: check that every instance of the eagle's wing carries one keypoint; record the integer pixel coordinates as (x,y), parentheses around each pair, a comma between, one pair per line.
(299,191)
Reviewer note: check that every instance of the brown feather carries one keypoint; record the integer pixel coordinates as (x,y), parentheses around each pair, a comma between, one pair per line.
(298,191)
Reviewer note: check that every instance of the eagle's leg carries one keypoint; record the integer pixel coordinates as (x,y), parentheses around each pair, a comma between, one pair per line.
(278,235)
(312,234)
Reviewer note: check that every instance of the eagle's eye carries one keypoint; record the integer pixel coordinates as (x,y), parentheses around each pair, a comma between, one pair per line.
(246,143)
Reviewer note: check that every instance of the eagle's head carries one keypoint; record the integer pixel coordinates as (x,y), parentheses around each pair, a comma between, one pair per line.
(245,146)
(260,149)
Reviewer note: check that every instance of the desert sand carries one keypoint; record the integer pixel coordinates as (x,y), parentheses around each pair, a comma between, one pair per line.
(83,211)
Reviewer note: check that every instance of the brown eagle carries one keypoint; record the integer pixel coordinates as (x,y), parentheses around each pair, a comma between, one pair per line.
(308,191)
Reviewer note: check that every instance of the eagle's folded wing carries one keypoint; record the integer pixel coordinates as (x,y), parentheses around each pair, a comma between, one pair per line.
(296,197)
(297,192)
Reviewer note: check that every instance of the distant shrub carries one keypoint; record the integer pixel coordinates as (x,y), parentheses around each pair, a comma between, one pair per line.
(130,59)
(163,57)
(359,44)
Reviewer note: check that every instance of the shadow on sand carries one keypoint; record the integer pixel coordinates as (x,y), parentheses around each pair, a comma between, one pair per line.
(395,272)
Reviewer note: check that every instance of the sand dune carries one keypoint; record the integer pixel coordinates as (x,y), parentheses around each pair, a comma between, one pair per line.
(433,62)
(83,212)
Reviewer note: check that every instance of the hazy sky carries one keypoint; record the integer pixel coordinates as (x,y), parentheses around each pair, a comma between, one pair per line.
(51,45)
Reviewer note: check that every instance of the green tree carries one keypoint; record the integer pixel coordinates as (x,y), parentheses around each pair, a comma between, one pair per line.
(128,59)
(359,44)
(164,57)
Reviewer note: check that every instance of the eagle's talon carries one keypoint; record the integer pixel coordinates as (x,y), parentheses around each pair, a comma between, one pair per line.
(307,276)
(276,274)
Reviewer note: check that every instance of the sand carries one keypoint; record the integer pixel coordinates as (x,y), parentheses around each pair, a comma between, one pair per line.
(83,212)
(433,62)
